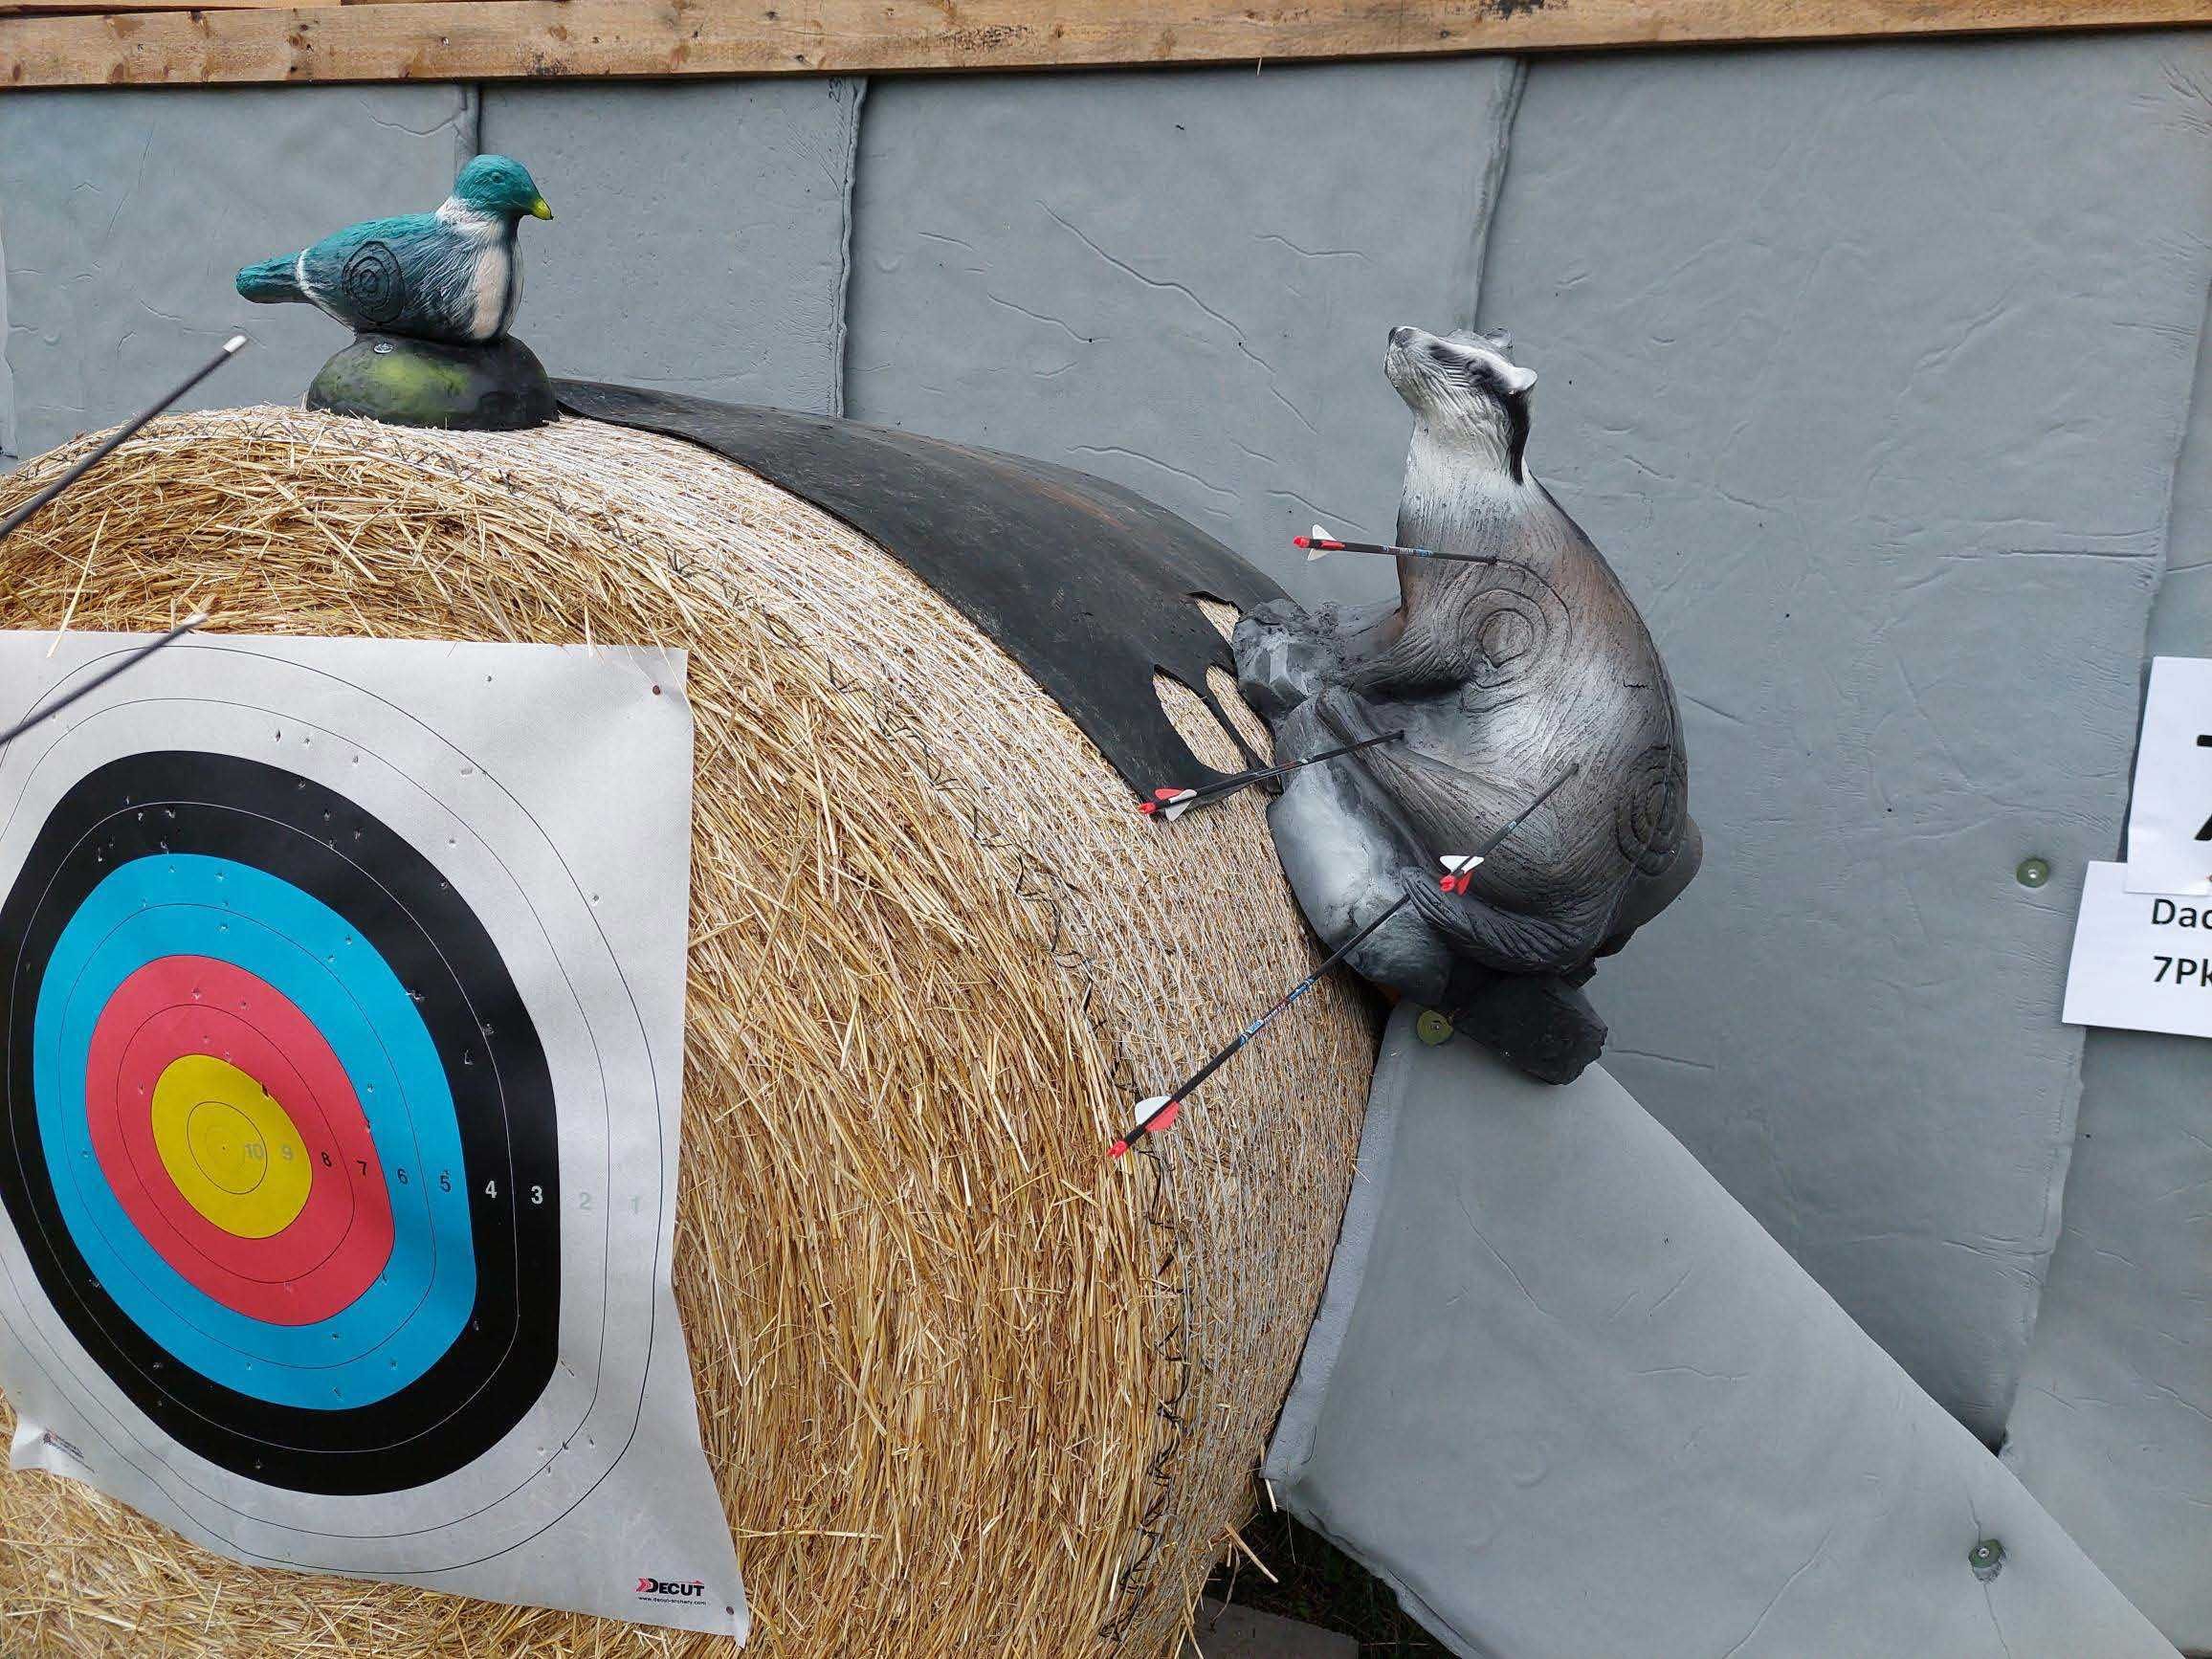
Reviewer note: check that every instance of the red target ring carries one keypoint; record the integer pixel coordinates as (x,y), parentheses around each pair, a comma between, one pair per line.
(178,1007)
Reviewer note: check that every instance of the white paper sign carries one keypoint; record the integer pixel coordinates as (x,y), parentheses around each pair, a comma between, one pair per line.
(2170,818)
(2142,962)
(339,1112)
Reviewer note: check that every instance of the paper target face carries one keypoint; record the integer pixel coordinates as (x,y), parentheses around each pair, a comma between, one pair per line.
(270,1115)
(342,1042)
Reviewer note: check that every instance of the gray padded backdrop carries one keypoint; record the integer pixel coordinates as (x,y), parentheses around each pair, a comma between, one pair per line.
(700,241)
(1179,282)
(1867,368)
(124,218)
(8,450)
(1568,1396)
(2113,1429)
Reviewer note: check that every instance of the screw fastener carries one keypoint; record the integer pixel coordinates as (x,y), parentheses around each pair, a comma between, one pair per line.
(1986,1558)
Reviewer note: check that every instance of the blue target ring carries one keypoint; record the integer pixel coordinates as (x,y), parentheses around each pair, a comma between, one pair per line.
(194,905)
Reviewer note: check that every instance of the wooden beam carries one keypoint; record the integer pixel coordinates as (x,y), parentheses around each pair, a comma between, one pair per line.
(49,8)
(467,40)
(112,8)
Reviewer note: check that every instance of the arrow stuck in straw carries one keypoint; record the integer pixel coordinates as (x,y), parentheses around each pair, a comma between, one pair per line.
(120,436)
(1160,1111)
(1167,805)
(39,716)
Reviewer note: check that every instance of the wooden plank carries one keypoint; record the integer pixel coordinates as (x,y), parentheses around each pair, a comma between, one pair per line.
(95,8)
(463,41)
(44,8)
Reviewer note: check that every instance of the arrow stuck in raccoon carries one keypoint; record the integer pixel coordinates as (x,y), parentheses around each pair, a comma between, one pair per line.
(1460,867)
(1319,545)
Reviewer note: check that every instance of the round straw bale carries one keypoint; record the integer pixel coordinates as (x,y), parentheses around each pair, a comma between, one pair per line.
(967,1387)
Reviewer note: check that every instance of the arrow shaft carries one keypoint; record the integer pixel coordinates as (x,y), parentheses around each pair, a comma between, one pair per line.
(1261,774)
(99,679)
(1245,1037)
(116,439)
(1522,816)
(1386,551)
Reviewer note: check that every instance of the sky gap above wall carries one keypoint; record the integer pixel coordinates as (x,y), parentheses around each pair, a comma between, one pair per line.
(172,42)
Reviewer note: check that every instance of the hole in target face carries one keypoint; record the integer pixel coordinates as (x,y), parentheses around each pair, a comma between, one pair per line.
(277,1132)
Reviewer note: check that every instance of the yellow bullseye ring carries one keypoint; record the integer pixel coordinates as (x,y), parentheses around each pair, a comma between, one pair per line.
(231,1149)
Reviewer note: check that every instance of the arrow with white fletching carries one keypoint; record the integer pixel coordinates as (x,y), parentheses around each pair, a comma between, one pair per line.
(120,436)
(1167,804)
(1151,1115)
(1459,869)
(1318,543)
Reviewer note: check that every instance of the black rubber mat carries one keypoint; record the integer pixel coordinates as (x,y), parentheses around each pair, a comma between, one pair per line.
(1088,585)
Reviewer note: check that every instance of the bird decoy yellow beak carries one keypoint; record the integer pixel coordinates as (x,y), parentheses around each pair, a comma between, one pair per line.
(539,210)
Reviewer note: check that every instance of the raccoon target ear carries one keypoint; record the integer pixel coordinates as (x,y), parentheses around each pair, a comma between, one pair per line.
(1515,378)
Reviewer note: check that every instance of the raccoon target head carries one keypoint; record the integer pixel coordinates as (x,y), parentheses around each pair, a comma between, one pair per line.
(1465,389)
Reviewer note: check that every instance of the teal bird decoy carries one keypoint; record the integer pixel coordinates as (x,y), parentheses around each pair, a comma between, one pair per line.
(454,274)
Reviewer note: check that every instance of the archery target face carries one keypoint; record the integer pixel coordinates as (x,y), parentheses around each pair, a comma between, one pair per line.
(340,1005)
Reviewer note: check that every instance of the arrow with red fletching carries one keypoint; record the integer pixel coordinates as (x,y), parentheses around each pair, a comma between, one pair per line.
(1160,1111)
(1152,1117)
(1459,871)
(1167,804)
(1319,545)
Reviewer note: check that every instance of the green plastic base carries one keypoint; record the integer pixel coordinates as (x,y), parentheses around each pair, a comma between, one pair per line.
(498,388)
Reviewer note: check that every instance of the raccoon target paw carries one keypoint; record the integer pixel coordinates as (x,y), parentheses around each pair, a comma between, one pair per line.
(1283,653)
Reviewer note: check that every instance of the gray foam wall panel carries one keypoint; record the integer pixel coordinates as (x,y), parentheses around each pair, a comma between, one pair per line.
(700,241)
(2113,1429)
(8,450)
(1867,367)
(1568,1398)
(128,213)
(2181,618)
(1179,282)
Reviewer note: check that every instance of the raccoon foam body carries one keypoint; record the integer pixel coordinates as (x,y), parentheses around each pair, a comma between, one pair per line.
(1503,675)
